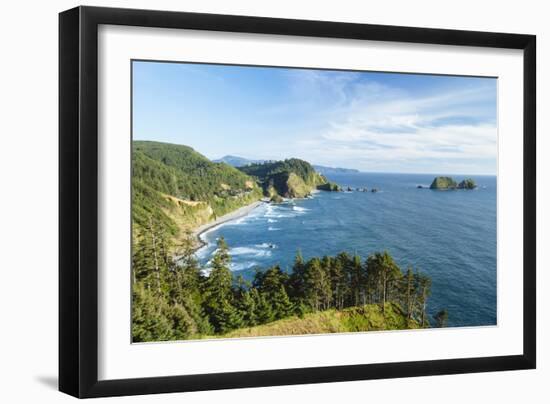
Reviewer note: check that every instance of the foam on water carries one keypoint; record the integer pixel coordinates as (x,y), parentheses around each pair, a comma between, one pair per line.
(249,251)
(266,245)
(243,265)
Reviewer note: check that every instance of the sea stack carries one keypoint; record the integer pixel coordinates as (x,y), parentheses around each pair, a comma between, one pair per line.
(445,183)
(467,184)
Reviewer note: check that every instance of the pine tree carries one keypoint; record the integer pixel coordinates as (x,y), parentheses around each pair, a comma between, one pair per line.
(383,270)
(218,293)
(142,261)
(149,320)
(326,266)
(357,280)
(227,317)
(247,306)
(409,294)
(441,318)
(317,284)
(182,324)
(264,311)
(424,284)
(338,283)
(245,302)
(282,306)
(296,281)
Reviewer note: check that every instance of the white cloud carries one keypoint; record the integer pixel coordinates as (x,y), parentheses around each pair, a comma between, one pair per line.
(372,126)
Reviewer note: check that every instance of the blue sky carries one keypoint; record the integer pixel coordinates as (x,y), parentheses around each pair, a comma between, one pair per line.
(369,121)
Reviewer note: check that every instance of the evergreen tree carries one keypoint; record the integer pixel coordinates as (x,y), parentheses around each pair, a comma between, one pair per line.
(148,321)
(383,270)
(357,280)
(218,293)
(338,283)
(317,284)
(326,266)
(182,324)
(423,285)
(247,306)
(186,292)
(409,293)
(150,258)
(441,318)
(269,281)
(282,306)
(272,285)
(296,281)
(226,317)
(141,261)
(264,312)
(245,302)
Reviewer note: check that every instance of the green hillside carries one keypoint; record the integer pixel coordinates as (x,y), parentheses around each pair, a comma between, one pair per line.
(291,178)
(175,188)
(353,319)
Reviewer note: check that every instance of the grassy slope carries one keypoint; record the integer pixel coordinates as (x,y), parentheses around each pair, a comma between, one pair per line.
(366,318)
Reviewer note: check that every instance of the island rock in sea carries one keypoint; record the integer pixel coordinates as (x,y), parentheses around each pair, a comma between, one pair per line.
(291,178)
(444,183)
(329,186)
(467,184)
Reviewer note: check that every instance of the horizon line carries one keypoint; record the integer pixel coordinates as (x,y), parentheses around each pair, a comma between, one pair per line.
(316,164)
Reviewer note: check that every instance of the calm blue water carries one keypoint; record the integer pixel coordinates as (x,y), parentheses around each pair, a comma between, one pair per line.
(450,235)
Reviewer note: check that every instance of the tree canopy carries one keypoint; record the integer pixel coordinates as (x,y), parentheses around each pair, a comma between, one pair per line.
(180,300)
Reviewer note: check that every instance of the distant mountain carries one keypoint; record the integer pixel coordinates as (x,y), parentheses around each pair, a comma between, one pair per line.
(334,170)
(237,161)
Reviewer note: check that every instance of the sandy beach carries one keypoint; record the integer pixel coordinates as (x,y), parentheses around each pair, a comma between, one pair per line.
(236,214)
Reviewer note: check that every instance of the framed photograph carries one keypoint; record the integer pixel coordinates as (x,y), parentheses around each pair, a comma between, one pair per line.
(251,201)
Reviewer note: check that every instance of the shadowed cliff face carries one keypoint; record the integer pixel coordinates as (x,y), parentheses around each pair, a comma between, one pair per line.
(292,178)
(289,185)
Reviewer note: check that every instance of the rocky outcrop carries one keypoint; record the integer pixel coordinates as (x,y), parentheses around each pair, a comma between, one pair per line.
(467,184)
(329,186)
(445,183)
(289,185)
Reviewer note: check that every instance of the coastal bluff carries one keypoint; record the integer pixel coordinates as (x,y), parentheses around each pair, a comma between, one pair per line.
(290,178)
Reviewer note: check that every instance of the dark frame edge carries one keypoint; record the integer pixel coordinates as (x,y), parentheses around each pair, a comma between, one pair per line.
(69,81)
(282,377)
(529,200)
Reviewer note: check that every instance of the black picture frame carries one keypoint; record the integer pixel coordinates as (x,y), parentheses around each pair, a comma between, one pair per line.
(78,201)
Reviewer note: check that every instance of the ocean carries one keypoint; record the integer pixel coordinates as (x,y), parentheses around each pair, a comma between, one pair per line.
(449,235)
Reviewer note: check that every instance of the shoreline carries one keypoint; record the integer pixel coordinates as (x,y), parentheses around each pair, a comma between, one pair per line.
(228,217)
